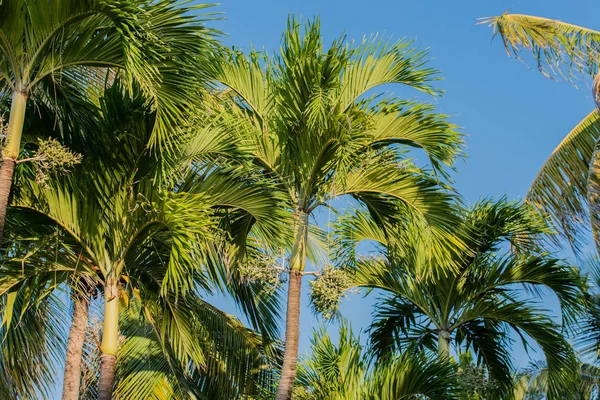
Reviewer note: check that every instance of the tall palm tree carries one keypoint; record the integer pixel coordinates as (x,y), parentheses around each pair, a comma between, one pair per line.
(142,223)
(81,281)
(317,125)
(346,371)
(567,187)
(55,52)
(473,306)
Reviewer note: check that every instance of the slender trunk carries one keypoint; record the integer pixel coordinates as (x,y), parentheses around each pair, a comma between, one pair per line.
(444,344)
(292,335)
(292,323)
(110,337)
(11,151)
(81,307)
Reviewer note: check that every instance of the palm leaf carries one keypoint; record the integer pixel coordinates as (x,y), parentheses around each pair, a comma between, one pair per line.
(376,62)
(560,189)
(32,347)
(560,49)
(232,364)
(344,371)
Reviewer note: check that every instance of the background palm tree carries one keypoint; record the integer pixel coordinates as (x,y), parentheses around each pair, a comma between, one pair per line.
(346,371)
(474,305)
(56,52)
(532,383)
(316,126)
(54,267)
(140,240)
(567,186)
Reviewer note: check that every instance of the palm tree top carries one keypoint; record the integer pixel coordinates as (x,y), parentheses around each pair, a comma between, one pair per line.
(475,303)
(319,123)
(565,186)
(60,49)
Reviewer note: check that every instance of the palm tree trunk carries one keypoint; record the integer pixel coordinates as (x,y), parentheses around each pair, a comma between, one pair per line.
(292,336)
(11,151)
(292,323)
(444,344)
(110,337)
(81,307)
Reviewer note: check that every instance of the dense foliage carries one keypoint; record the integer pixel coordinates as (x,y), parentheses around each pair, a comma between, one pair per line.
(147,169)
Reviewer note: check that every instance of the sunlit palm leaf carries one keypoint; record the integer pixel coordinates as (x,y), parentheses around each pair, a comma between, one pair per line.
(558,48)
(344,371)
(560,189)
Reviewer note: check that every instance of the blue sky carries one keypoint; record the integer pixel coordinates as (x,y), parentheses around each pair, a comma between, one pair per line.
(513,116)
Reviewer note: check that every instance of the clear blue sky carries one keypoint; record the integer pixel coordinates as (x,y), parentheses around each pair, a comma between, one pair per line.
(513,117)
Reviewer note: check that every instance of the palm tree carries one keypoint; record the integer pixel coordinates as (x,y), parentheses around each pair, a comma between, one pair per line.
(346,371)
(141,223)
(567,187)
(474,305)
(56,52)
(316,125)
(236,363)
(532,383)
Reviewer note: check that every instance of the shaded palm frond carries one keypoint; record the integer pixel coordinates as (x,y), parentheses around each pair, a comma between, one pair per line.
(32,345)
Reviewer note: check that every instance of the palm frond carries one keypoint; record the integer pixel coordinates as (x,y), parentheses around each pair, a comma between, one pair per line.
(245,76)
(350,229)
(416,125)
(560,49)
(233,363)
(376,62)
(560,189)
(559,355)
(32,346)
(344,371)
